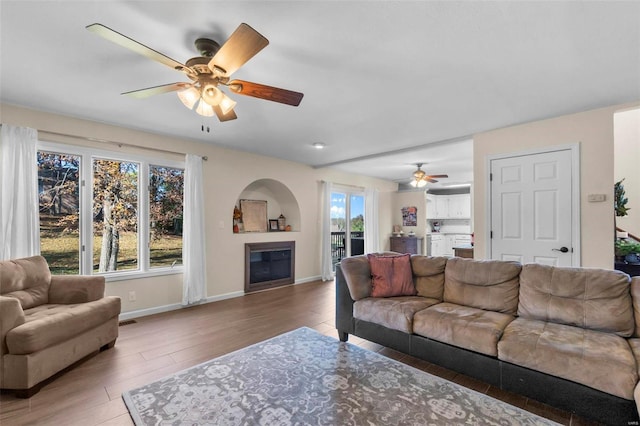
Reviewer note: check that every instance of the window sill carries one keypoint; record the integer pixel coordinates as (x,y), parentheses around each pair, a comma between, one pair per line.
(134,275)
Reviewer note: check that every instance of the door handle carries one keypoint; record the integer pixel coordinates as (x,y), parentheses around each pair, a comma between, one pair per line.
(561,249)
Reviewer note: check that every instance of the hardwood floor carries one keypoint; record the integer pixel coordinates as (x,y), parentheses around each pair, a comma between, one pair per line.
(159,345)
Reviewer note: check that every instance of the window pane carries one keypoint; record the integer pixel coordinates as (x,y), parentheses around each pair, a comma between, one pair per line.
(115,215)
(58,192)
(357,224)
(166,188)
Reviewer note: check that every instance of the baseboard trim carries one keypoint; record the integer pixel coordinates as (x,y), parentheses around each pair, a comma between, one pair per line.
(175,306)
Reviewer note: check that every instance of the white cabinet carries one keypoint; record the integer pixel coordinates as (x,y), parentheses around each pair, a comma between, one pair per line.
(437,245)
(449,243)
(459,206)
(449,206)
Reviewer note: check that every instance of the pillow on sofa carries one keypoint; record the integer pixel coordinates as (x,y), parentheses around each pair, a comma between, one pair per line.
(391,275)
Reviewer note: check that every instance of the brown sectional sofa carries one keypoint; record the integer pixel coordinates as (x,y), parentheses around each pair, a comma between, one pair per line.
(48,322)
(568,337)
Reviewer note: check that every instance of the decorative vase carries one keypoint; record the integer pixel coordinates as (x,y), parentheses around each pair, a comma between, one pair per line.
(282,221)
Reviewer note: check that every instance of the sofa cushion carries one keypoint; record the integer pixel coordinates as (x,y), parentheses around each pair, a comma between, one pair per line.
(47,325)
(26,279)
(596,299)
(635,298)
(491,285)
(357,274)
(391,275)
(470,328)
(600,360)
(428,275)
(396,313)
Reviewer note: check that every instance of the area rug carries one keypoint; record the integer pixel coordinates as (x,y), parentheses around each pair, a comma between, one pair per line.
(305,378)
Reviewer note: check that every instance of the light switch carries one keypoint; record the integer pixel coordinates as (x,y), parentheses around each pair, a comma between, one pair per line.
(596,198)
(221,224)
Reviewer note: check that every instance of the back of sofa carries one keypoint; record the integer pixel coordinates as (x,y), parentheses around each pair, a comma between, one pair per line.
(428,275)
(491,285)
(27,280)
(596,299)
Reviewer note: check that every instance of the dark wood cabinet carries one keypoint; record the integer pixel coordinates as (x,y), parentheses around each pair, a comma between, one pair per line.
(411,245)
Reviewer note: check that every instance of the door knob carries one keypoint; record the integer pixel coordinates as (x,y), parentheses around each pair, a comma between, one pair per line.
(562,249)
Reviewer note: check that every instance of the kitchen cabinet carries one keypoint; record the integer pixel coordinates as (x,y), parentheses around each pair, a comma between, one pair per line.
(443,244)
(437,245)
(449,243)
(411,245)
(449,206)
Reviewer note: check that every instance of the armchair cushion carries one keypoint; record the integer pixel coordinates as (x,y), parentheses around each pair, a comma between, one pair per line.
(27,280)
(47,325)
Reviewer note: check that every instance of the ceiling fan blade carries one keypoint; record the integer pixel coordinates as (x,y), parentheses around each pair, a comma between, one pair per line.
(156,90)
(428,179)
(438,176)
(265,92)
(131,44)
(241,46)
(231,115)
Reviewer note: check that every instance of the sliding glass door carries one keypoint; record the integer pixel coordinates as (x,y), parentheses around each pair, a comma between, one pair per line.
(347,224)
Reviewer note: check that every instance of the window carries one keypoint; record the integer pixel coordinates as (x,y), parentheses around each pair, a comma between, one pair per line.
(59,199)
(120,215)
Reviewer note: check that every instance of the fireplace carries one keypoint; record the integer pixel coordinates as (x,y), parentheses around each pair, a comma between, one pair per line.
(268,265)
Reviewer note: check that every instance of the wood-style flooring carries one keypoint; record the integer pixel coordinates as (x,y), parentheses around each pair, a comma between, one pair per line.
(159,345)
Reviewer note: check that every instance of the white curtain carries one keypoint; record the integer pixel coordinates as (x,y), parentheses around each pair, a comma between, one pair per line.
(371,221)
(193,241)
(19,220)
(327,266)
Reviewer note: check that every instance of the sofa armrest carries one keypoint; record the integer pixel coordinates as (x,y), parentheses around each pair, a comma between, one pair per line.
(70,289)
(11,316)
(344,306)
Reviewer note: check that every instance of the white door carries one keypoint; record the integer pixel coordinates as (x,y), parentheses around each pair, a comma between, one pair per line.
(531,209)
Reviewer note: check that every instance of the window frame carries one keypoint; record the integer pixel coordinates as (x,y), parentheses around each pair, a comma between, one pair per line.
(87,155)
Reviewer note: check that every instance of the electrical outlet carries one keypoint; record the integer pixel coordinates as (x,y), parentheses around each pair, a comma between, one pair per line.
(596,198)
(132,296)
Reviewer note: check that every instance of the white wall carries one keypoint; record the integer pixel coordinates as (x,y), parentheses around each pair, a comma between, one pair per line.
(226,173)
(410,199)
(627,165)
(593,130)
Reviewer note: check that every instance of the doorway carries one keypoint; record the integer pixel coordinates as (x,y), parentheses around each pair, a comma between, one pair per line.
(534,206)
(347,224)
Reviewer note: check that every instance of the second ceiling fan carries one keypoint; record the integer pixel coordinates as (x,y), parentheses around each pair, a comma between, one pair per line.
(420,178)
(208,71)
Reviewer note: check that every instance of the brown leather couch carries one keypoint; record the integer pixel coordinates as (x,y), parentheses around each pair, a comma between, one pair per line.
(48,322)
(568,337)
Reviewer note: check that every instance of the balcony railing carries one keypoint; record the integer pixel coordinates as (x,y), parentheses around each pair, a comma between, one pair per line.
(338,245)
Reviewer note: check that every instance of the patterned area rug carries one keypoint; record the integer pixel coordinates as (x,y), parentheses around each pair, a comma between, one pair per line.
(303,378)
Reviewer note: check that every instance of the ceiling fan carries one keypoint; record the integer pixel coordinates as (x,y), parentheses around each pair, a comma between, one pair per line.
(208,71)
(420,178)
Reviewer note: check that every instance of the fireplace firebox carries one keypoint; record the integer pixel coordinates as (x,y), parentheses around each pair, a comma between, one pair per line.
(268,265)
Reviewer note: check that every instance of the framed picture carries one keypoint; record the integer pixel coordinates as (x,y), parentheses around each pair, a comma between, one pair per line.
(410,216)
(273,225)
(254,215)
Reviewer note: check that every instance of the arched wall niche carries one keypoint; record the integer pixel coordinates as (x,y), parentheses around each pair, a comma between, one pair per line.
(280,200)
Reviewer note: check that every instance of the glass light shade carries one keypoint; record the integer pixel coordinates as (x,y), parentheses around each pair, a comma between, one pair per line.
(418,183)
(226,104)
(189,97)
(205,109)
(212,95)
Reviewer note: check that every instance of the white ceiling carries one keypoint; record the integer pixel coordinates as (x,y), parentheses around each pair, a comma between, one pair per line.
(377,76)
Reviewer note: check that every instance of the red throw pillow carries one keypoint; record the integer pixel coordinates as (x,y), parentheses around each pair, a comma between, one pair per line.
(391,275)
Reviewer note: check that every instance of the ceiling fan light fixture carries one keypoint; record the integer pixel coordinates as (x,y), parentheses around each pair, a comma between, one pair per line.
(204,109)
(212,95)
(189,97)
(227,104)
(418,183)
